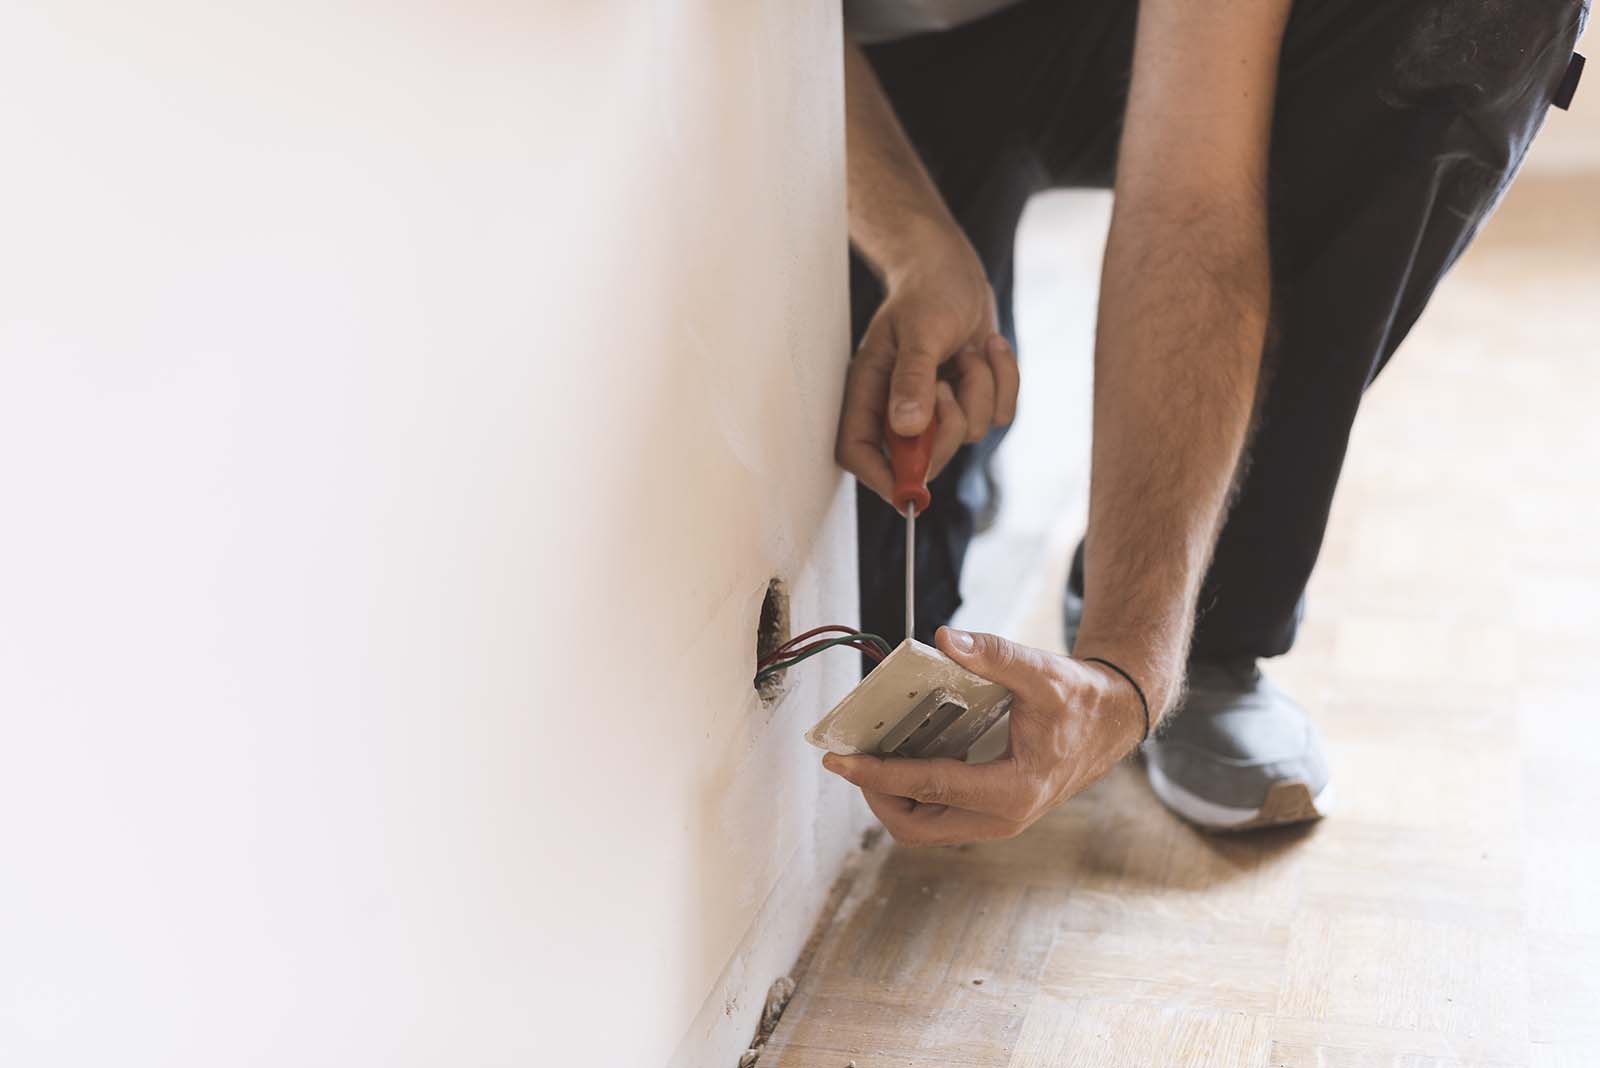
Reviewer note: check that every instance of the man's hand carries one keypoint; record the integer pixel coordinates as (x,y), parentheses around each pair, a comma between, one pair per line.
(932,346)
(1071,722)
(931,349)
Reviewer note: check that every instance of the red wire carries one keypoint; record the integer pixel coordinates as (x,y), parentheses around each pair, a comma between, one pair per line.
(812,633)
(868,650)
(784,652)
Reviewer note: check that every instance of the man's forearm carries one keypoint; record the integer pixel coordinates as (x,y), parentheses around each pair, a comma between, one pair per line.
(937,317)
(895,211)
(1182,321)
(1183,316)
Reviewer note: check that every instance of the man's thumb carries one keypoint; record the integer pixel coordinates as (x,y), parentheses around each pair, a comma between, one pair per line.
(1016,667)
(911,390)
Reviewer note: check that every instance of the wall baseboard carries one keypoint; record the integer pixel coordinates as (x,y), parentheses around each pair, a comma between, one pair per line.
(816,881)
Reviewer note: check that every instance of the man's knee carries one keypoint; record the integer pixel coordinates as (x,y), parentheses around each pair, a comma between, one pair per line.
(1482,59)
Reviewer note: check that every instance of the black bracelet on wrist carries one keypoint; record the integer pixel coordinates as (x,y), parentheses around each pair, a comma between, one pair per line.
(1144,704)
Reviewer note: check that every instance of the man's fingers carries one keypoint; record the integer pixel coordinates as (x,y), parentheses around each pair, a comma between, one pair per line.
(1007,379)
(887,807)
(911,387)
(1022,669)
(975,389)
(866,461)
(900,377)
(952,430)
(996,789)
(940,781)
(859,446)
(912,824)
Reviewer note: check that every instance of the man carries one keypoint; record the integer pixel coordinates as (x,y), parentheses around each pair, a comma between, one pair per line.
(1290,183)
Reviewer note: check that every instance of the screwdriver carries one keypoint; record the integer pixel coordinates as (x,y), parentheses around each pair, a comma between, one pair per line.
(910,457)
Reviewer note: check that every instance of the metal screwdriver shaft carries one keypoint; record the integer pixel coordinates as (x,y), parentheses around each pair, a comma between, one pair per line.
(909,458)
(911,571)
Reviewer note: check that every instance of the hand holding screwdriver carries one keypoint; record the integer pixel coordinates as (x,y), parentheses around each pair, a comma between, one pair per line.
(912,369)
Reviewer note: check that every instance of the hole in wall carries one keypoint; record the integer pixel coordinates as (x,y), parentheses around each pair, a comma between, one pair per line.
(772,630)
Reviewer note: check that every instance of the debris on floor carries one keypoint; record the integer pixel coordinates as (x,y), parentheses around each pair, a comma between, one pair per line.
(778,996)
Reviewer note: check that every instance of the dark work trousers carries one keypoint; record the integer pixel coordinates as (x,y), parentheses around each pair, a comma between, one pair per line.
(1398,125)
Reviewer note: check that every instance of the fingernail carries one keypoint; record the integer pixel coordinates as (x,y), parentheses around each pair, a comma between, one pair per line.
(830,762)
(906,411)
(959,640)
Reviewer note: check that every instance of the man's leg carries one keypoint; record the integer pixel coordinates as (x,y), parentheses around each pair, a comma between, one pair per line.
(1398,127)
(973,101)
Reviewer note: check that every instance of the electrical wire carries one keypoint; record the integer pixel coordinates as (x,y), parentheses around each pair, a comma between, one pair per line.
(795,656)
(789,648)
(854,640)
(789,654)
(801,656)
(812,633)
(867,649)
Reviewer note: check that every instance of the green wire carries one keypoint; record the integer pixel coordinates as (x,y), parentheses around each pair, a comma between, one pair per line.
(772,669)
(881,643)
(790,661)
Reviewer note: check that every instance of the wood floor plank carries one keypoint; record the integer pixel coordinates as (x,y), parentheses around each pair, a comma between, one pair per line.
(1468,985)
(1320,1044)
(1089,1033)
(1220,966)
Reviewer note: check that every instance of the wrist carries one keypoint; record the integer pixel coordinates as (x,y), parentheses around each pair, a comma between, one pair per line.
(924,242)
(1156,675)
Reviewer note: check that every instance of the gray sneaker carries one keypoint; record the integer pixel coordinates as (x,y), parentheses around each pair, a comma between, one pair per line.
(1238,754)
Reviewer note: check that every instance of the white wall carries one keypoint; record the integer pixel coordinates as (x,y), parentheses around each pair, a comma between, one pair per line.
(404,407)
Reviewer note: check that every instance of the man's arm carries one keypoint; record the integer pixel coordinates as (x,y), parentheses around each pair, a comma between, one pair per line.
(932,344)
(1183,311)
(896,213)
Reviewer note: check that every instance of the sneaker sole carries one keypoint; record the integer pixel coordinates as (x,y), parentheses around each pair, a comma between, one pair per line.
(1287,803)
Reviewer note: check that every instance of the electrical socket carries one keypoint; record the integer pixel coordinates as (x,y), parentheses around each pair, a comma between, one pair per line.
(917,702)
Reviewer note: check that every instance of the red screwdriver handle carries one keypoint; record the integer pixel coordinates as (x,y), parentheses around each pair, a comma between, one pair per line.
(910,457)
